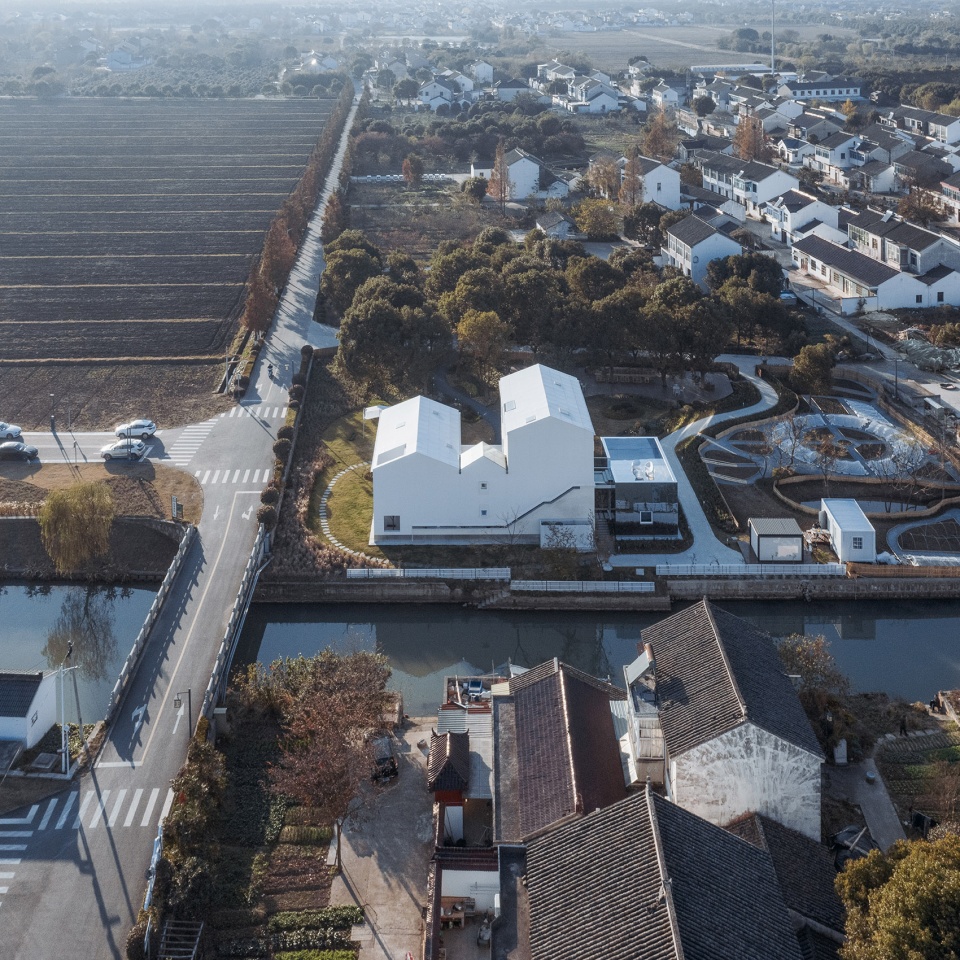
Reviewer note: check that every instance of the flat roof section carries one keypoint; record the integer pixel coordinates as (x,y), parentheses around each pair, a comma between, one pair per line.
(637,460)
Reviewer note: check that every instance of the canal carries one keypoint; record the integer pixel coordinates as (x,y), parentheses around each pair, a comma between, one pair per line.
(37,623)
(909,650)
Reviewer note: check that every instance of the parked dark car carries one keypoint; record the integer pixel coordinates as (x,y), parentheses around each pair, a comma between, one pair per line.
(14,450)
(384,757)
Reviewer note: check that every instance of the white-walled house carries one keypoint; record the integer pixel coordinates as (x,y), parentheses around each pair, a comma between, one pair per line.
(693,243)
(660,183)
(28,706)
(790,212)
(749,182)
(428,488)
(714,718)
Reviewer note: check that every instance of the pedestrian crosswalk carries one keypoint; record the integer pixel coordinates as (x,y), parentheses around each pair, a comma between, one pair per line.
(181,453)
(210,477)
(90,809)
(262,411)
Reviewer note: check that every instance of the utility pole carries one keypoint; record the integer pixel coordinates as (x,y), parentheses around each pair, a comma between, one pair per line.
(64,739)
(773,19)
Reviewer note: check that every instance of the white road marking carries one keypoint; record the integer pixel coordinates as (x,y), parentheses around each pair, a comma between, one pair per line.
(283,412)
(137,718)
(10,861)
(12,847)
(246,514)
(150,804)
(246,473)
(71,800)
(205,476)
(197,474)
(236,476)
(82,811)
(213,479)
(7,874)
(20,821)
(115,812)
(47,814)
(167,804)
(133,807)
(129,764)
(101,809)
(15,834)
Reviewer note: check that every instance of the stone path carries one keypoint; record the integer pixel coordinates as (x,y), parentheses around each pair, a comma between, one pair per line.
(325,520)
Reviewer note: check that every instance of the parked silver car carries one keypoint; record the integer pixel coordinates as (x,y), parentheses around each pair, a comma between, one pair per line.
(10,431)
(124,450)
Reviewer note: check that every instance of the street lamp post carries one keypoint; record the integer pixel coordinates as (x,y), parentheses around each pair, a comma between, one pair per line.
(64,740)
(178,703)
(53,423)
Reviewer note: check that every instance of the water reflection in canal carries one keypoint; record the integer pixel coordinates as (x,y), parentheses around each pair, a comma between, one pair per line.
(906,649)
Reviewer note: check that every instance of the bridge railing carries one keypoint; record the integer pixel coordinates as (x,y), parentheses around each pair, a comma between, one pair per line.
(582,586)
(130,664)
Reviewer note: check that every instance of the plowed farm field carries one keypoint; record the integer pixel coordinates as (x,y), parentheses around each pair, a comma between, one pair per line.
(127,228)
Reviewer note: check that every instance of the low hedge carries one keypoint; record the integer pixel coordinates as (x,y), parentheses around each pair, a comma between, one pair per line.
(316,955)
(336,918)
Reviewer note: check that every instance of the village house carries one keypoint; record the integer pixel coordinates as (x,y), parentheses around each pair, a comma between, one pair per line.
(716,722)
(28,706)
(694,242)
(793,211)
(750,183)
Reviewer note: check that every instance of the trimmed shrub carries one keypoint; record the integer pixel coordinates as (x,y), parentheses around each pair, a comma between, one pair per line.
(306,351)
(281,449)
(135,937)
(270,495)
(267,515)
(294,404)
(285,432)
(298,380)
(334,918)
(296,392)
(316,955)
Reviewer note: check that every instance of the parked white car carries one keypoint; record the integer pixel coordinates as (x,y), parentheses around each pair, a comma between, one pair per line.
(9,431)
(137,428)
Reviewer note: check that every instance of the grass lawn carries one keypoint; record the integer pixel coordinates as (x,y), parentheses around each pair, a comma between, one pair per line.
(350,510)
(624,414)
(138,489)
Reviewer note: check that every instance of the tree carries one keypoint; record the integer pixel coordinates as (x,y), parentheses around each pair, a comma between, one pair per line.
(75,525)
(659,138)
(758,270)
(643,223)
(386,79)
(345,272)
(499,185)
(597,219)
(749,140)
(810,659)
(703,106)
(406,89)
(902,904)
(812,369)
(920,207)
(475,188)
(486,335)
(329,707)
(412,170)
(603,177)
(86,621)
(335,219)
(691,175)
(631,189)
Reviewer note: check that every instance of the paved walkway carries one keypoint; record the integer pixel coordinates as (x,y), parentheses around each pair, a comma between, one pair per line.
(706,547)
(386,852)
(293,324)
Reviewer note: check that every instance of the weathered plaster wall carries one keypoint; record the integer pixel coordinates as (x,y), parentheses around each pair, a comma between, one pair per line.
(749,770)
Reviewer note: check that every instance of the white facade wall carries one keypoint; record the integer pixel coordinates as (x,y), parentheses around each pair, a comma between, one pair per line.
(784,549)
(551,470)
(748,770)
(716,247)
(482,885)
(662,186)
(524,179)
(774,185)
(29,730)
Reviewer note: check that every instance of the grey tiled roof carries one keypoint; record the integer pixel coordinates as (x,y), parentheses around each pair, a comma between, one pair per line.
(691,231)
(715,672)
(804,868)
(448,765)
(776,526)
(566,754)
(646,880)
(860,267)
(17,690)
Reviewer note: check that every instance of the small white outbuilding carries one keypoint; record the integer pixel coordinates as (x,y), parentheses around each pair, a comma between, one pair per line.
(776,539)
(851,534)
(28,706)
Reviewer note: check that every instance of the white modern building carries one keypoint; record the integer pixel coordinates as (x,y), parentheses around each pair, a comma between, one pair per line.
(429,488)
(851,534)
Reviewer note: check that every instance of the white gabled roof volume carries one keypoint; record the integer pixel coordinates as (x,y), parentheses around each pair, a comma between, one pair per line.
(538,392)
(418,425)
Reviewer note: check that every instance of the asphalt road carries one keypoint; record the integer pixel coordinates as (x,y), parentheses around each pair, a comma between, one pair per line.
(73,868)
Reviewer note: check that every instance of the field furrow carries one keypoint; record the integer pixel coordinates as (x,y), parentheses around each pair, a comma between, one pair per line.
(74,270)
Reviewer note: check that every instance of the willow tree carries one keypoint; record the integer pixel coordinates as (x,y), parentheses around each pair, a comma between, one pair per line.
(75,525)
